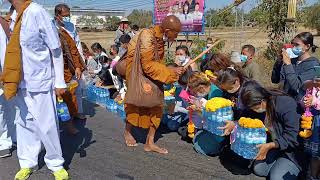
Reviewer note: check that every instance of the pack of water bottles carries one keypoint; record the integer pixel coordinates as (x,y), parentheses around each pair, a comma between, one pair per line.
(62,111)
(121,112)
(213,120)
(98,95)
(244,141)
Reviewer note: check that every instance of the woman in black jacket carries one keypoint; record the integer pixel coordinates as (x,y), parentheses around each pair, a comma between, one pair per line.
(292,73)
(277,158)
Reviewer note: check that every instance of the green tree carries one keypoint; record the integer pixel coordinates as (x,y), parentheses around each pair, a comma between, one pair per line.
(276,25)
(215,18)
(91,21)
(142,18)
(311,17)
(111,23)
(257,15)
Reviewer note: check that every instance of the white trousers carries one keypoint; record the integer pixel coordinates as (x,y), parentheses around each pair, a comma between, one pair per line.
(8,114)
(38,124)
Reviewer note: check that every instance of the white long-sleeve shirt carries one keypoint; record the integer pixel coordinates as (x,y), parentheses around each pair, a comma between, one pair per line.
(42,58)
(3,46)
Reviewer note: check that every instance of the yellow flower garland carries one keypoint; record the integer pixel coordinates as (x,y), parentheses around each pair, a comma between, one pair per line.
(170,92)
(217,103)
(250,123)
(306,125)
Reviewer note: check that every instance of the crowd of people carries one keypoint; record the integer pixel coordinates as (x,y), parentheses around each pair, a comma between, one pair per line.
(43,60)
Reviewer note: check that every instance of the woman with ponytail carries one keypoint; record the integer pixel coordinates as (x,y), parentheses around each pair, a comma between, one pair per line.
(292,71)
(277,158)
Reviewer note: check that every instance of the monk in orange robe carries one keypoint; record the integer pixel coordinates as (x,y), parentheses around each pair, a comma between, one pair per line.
(149,118)
(72,67)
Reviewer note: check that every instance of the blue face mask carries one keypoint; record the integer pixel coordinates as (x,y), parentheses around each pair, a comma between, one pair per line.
(243,58)
(66,19)
(297,51)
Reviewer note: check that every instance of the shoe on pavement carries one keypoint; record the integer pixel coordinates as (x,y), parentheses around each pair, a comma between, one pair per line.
(23,174)
(5,153)
(62,174)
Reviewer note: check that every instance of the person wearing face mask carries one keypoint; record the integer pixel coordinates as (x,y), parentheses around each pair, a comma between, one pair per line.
(124,40)
(183,57)
(279,158)
(62,14)
(62,17)
(250,68)
(98,51)
(72,67)
(152,41)
(230,82)
(204,142)
(292,73)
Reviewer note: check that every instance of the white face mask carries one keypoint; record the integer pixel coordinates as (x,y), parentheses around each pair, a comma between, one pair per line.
(182,59)
(201,95)
(165,38)
(260,110)
(234,90)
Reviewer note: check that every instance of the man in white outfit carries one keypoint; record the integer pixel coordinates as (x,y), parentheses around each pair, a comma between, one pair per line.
(7,108)
(62,13)
(42,80)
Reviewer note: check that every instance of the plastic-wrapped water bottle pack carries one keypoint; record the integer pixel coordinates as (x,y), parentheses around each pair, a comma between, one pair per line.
(245,140)
(213,120)
(101,96)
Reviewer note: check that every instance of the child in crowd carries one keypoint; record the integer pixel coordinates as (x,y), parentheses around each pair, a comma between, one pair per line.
(124,41)
(198,89)
(105,77)
(98,51)
(183,57)
(114,50)
(311,133)
(230,82)
(89,60)
(176,111)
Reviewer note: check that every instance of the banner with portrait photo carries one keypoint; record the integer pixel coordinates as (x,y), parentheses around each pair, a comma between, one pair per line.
(190,13)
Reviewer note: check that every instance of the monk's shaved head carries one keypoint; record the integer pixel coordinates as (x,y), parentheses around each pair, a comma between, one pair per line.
(171,27)
(172,23)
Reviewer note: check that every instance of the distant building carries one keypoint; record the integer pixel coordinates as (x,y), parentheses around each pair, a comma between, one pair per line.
(77,13)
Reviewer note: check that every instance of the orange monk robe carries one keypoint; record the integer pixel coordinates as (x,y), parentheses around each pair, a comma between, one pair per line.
(141,116)
(72,56)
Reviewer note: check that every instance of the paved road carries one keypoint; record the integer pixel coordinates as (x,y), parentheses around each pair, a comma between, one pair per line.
(99,153)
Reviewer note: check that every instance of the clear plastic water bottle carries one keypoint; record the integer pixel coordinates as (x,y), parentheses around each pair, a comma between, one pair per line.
(220,122)
(63,111)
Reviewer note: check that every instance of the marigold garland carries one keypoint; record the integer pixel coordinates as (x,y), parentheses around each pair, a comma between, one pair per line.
(170,92)
(306,125)
(217,103)
(250,123)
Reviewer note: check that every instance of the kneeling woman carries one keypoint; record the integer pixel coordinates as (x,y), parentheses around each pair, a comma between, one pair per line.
(277,158)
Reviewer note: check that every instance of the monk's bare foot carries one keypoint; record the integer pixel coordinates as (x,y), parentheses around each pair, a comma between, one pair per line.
(129,139)
(155,148)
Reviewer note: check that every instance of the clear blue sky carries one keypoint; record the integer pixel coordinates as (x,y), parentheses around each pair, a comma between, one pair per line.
(143,4)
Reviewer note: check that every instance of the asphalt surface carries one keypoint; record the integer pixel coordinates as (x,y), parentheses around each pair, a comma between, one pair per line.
(98,152)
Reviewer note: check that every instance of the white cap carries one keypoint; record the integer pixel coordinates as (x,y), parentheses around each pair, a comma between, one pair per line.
(235,57)
(124,19)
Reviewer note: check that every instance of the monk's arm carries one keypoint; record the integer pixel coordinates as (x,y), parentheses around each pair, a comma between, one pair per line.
(152,68)
(76,57)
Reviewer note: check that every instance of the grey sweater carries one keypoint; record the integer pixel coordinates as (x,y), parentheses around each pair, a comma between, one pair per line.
(294,75)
